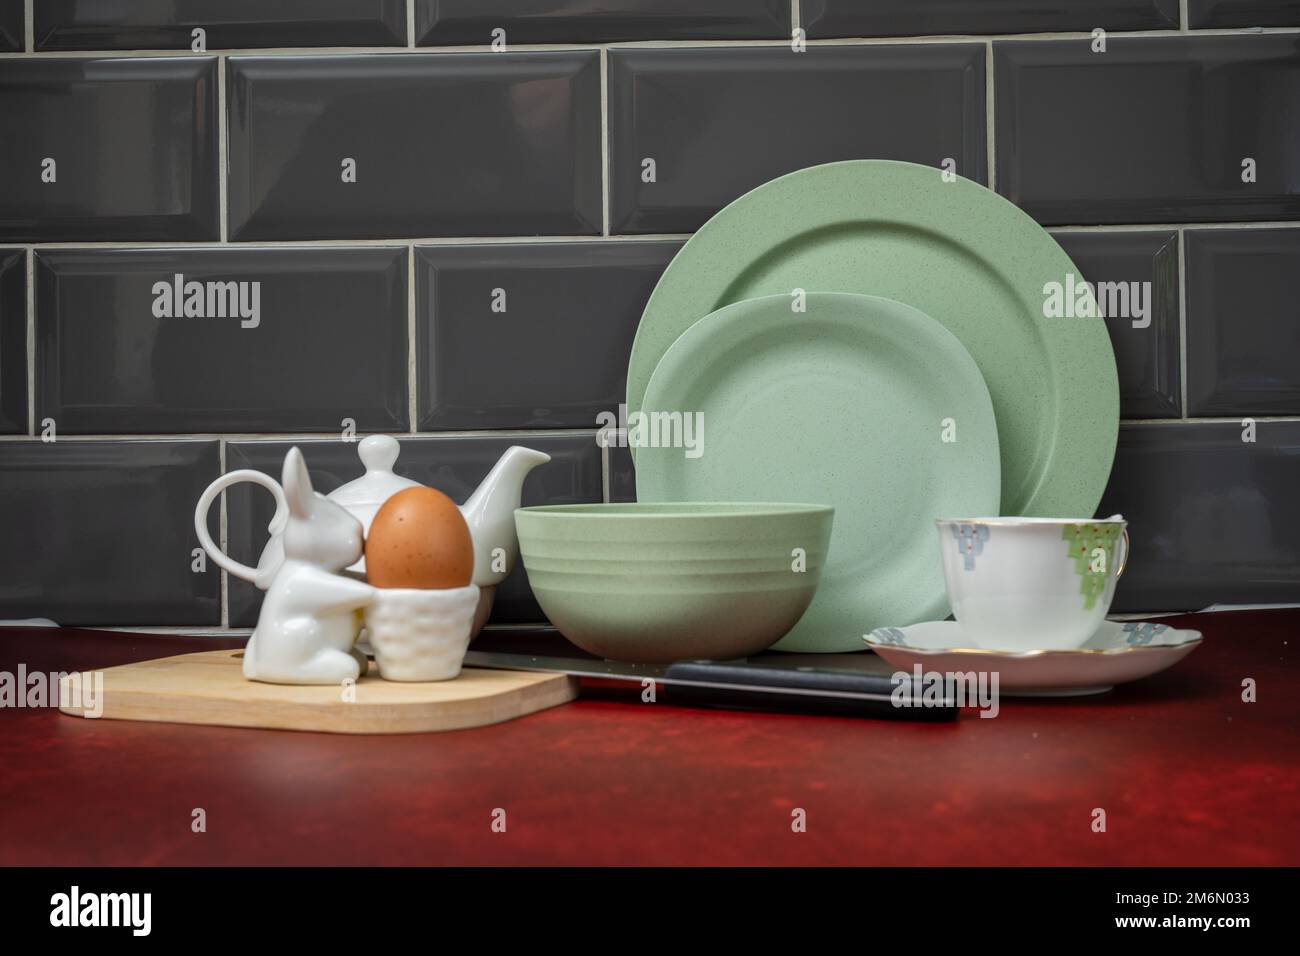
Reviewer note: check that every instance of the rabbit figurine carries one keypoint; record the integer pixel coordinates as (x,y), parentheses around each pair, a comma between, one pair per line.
(308,624)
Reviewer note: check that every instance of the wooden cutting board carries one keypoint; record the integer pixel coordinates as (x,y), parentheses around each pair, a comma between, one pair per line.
(209,688)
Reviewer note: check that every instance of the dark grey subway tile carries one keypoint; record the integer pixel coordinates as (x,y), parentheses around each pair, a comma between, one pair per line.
(1213,518)
(1243,321)
(109,149)
(455,466)
(622,474)
(13,341)
(528,336)
(1135,278)
(1243,13)
(445,22)
(102,532)
(854,18)
(222,340)
(226,24)
(13,29)
(1155,129)
(692,129)
(435,144)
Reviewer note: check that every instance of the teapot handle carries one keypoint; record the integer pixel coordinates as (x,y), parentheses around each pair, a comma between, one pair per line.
(205,502)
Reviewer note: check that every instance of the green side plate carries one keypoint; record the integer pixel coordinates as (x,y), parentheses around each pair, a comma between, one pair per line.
(955,250)
(858,402)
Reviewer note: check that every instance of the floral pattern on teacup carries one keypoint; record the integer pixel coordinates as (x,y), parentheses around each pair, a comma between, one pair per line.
(1142,632)
(970,542)
(1084,541)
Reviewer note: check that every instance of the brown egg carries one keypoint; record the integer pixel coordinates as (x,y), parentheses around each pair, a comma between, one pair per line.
(418,539)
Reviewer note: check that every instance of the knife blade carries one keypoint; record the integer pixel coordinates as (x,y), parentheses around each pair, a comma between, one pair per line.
(739,685)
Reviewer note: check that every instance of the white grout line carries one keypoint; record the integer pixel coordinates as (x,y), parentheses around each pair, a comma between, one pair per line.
(29,25)
(1167,226)
(395,243)
(224,539)
(515,434)
(796,17)
(333,436)
(410,24)
(30,263)
(412,381)
(553,240)
(990,130)
(223,163)
(1221,420)
(604,141)
(604,473)
(1182,321)
(652,44)
(1183,17)
(543,240)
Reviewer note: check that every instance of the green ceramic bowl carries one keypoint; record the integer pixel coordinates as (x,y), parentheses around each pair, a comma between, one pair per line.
(659,582)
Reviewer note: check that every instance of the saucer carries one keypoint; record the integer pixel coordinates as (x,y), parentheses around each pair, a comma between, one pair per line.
(1117,653)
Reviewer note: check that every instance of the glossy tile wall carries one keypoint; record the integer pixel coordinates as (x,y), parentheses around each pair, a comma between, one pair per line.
(715,125)
(97,532)
(1243,13)
(1149,129)
(440,22)
(13,341)
(124,344)
(216,242)
(11,26)
(514,301)
(430,144)
(103,148)
(850,18)
(1243,321)
(217,24)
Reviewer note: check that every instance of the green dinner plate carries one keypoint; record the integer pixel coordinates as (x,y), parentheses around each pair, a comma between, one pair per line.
(955,250)
(858,402)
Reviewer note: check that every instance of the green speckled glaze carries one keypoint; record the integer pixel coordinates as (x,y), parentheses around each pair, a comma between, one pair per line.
(959,253)
(653,583)
(854,403)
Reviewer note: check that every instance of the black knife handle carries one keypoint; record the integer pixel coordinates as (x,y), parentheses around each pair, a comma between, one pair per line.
(802,690)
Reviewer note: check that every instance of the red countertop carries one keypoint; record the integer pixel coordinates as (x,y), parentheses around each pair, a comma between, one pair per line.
(1187,772)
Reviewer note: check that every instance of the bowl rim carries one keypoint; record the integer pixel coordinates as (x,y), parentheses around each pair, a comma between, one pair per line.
(677,510)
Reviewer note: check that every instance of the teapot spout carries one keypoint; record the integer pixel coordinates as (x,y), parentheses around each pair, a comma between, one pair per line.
(490,514)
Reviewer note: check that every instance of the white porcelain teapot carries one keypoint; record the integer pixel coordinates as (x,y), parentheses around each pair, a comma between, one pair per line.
(489,512)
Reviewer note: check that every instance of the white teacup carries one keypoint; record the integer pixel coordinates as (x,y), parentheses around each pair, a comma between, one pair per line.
(1023,584)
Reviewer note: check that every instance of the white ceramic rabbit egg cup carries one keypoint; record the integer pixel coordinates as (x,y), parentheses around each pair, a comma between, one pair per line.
(307,630)
(489,512)
(421,635)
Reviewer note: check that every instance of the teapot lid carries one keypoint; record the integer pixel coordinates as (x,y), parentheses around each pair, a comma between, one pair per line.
(378,453)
